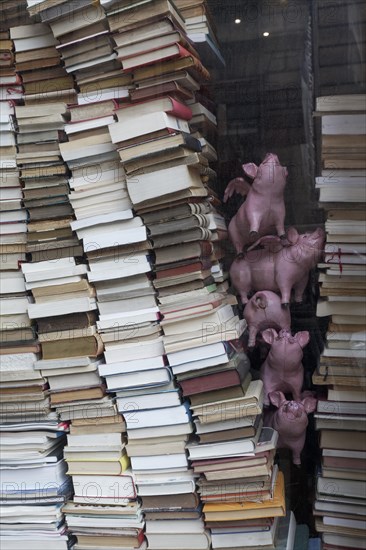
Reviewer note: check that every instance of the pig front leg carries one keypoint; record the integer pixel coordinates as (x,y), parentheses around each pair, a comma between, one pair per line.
(254,219)
(237,232)
(296,392)
(296,447)
(299,288)
(243,297)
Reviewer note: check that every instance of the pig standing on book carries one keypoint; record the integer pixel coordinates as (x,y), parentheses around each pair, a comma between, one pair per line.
(263,211)
(282,369)
(290,420)
(264,311)
(279,266)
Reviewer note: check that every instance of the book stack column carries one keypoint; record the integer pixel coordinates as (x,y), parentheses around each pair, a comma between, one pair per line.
(34,483)
(105,224)
(160,184)
(104,511)
(64,300)
(340,505)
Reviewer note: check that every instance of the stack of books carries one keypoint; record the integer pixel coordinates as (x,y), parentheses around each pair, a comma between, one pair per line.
(107,527)
(115,243)
(40,124)
(13,226)
(34,483)
(94,454)
(104,512)
(234,457)
(162,164)
(250,524)
(44,178)
(13,14)
(33,472)
(204,124)
(201,30)
(38,62)
(158,423)
(340,505)
(10,87)
(84,43)
(63,305)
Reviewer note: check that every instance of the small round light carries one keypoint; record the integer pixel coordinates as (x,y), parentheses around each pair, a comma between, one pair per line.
(237,21)
(266,34)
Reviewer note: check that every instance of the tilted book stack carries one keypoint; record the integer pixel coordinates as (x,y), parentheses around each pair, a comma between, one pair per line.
(34,482)
(201,31)
(340,506)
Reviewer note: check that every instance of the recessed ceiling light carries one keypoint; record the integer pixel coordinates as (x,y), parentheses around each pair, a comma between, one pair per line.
(266,34)
(237,21)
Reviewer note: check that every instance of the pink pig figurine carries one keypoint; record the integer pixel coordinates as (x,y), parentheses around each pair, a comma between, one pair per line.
(263,211)
(279,266)
(290,421)
(282,369)
(264,311)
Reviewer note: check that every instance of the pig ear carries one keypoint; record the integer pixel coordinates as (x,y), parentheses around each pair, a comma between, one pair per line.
(269,335)
(318,234)
(261,300)
(292,235)
(302,338)
(309,404)
(276,398)
(250,169)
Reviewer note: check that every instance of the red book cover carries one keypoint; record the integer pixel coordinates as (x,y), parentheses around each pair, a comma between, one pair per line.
(343,462)
(177,108)
(182,270)
(210,382)
(182,263)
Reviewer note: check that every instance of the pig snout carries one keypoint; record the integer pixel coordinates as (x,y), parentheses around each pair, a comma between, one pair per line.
(271,157)
(285,336)
(293,410)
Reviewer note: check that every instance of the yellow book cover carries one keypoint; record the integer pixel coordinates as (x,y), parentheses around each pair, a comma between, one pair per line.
(98,467)
(231,511)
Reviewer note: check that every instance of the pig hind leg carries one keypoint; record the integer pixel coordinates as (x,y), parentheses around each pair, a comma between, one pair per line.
(240,278)
(299,288)
(280,224)
(253,330)
(281,230)
(285,290)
